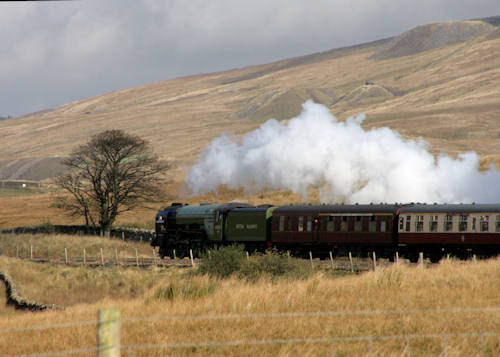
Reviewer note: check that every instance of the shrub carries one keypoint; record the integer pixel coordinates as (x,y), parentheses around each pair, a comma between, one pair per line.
(223,262)
(274,264)
(190,289)
(47,228)
(230,260)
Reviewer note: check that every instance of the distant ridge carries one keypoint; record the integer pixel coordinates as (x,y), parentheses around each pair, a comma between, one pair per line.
(431,36)
(493,20)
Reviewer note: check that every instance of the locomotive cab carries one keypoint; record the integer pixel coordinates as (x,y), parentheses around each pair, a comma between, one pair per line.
(165,221)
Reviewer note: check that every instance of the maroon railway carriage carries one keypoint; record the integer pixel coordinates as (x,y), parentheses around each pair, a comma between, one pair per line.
(337,228)
(457,229)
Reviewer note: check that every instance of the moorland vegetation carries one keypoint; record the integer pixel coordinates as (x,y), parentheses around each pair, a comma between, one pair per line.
(445,308)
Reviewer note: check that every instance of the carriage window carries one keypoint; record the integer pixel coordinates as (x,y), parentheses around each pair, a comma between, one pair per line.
(497,224)
(433,224)
(372,226)
(289,225)
(282,223)
(401,223)
(383,225)
(309,223)
(448,223)
(330,224)
(358,224)
(344,224)
(301,223)
(408,223)
(484,220)
(462,224)
(240,226)
(419,224)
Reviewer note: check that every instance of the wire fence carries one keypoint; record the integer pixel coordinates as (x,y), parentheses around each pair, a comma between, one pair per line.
(368,340)
(109,258)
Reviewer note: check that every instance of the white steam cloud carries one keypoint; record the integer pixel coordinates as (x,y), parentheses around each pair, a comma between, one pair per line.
(346,163)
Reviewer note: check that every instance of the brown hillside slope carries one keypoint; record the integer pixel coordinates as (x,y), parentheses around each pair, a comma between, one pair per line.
(448,95)
(430,36)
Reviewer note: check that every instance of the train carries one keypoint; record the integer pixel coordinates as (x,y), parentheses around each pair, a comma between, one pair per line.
(437,230)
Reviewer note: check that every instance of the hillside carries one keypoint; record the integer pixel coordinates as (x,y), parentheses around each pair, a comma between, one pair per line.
(447,93)
(430,36)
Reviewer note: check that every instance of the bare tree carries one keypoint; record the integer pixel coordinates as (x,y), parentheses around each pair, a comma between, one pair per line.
(112,173)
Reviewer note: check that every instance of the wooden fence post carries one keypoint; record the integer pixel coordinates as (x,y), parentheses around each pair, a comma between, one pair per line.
(331,259)
(350,261)
(123,236)
(311,259)
(209,256)
(116,257)
(248,256)
(154,257)
(84,256)
(48,253)
(421,259)
(136,258)
(175,255)
(102,258)
(66,256)
(397,258)
(191,256)
(31,252)
(17,251)
(374,257)
(108,333)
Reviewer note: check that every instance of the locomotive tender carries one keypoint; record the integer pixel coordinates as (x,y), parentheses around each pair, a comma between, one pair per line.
(435,229)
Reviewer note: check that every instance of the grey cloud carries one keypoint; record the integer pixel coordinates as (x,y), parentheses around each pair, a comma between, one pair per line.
(56,52)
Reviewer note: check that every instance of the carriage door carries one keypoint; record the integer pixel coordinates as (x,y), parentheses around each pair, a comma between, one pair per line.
(218,226)
(315,228)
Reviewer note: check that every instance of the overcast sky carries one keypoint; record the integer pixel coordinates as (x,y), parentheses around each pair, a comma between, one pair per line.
(57,52)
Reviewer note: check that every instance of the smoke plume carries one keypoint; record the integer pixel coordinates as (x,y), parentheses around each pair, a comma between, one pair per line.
(346,163)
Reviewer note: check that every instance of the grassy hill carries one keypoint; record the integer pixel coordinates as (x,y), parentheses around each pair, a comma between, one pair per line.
(446,93)
(430,36)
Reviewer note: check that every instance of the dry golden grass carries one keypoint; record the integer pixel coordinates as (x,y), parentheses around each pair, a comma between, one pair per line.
(449,285)
(33,209)
(54,245)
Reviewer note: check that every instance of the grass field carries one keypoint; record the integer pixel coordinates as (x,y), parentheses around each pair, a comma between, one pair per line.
(38,207)
(449,298)
(16,192)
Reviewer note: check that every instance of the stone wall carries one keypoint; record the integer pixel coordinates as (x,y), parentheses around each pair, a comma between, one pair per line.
(141,235)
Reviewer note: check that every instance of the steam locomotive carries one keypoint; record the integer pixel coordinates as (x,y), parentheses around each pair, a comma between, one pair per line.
(435,229)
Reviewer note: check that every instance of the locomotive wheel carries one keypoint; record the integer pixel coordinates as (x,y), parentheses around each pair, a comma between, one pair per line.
(199,249)
(162,253)
(413,258)
(181,251)
(435,257)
